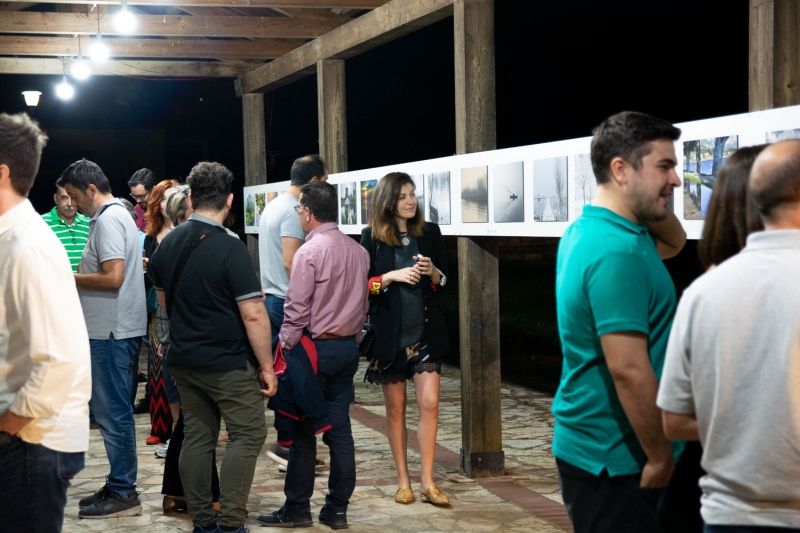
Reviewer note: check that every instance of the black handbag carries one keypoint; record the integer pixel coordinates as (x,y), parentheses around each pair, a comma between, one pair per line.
(367,345)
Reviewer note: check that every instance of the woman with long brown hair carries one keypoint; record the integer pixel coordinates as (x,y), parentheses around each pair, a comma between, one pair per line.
(406,262)
(158,226)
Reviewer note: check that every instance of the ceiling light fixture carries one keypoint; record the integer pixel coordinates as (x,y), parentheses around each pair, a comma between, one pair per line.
(64,91)
(31,98)
(124,21)
(98,51)
(80,69)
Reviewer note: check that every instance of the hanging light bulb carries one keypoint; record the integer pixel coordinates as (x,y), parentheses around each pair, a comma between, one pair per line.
(80,70)
(124,21)
(99,51)
(65,91)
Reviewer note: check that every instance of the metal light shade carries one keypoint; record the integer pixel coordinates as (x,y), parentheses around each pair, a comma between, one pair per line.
(31,98)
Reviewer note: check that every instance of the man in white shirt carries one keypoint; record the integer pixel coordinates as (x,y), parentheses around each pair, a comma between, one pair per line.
(45,379)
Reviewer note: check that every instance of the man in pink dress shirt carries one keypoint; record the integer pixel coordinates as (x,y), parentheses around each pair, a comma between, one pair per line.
(327,298)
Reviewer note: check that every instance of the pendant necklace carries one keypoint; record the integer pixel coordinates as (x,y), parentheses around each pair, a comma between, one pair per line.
(404,238)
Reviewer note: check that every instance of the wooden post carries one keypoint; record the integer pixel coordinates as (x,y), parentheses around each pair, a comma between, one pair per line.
(332,112)
(479,322)
(774,54)
(255,152)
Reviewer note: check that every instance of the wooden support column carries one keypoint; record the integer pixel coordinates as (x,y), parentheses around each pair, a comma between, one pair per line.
(479,321)
(332,113)
(774,54)
(255,152)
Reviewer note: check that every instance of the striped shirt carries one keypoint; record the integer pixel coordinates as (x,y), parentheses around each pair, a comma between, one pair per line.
(73,237)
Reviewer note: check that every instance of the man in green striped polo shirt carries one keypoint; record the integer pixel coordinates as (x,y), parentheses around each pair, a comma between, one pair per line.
(71,228)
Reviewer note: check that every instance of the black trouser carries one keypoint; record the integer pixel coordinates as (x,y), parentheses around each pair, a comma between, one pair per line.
(603,503)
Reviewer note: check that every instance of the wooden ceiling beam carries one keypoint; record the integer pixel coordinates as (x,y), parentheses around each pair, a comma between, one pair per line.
(155,69)
(317,4)
(156,48)
(383,24)
(167,25)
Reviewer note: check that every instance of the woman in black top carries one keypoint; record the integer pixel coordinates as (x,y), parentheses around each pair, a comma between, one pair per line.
(406,259)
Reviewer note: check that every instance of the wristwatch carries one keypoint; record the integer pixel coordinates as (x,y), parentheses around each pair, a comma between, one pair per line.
(5,439)
(442,278)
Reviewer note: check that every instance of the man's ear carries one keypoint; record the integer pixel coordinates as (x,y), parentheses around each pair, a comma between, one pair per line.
(5,176)
(619,171)
(229,201)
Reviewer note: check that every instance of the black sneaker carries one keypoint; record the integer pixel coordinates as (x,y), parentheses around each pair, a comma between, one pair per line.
(111,506)
(333,519)
(141,407)
(283,518)
(98,496)
(279,454)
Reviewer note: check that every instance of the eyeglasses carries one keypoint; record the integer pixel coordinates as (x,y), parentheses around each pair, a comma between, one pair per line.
(140,197)
(299,208)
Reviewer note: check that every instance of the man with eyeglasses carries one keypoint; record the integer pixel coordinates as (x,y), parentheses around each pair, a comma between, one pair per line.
(280,234)
(141,183)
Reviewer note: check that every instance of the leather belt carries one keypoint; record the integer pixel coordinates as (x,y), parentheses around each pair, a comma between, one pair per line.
(331,337)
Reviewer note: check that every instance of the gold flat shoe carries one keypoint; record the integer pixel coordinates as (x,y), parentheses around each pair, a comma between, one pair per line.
(435,496)
(404,495)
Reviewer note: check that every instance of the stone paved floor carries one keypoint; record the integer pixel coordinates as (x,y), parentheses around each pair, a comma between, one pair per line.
(526,499)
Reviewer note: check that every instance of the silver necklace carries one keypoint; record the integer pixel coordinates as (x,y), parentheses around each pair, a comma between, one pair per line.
(404,238)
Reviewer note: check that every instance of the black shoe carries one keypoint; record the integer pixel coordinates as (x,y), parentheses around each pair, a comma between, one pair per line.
(333,519)
(141,378)
(98,496)
(283,518)
(140,407)
(111,506)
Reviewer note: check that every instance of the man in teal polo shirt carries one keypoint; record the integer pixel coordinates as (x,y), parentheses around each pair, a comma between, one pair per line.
(71,227)
(615,301)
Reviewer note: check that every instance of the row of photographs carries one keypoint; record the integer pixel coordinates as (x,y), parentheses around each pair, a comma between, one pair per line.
(537,190)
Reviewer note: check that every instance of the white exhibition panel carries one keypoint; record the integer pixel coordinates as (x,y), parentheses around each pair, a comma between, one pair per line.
(520,191)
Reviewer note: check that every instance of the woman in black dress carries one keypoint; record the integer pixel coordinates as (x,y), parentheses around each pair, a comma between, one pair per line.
(406,263)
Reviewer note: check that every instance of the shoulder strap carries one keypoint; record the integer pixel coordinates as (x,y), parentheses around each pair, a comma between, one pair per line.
(188,248)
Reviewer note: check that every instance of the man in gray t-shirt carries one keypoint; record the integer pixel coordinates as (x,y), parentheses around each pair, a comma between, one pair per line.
(732,372)
(279,236)
(111,290)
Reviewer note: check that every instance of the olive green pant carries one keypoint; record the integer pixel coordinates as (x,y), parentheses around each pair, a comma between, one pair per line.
(234,396)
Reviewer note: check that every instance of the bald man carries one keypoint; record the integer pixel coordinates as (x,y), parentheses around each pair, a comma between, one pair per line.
(732,372)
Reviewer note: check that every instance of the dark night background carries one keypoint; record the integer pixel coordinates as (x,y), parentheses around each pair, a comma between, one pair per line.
(561,67)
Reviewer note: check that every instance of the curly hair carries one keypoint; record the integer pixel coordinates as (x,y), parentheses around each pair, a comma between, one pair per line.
(154,216)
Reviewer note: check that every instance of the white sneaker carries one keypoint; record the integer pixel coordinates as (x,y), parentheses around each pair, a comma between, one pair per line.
(161,453)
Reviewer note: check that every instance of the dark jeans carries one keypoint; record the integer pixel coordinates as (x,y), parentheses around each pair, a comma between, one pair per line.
(337,364)
(274,305)
(598,504)
(709,528)
(234,395)
(114,364)
(34,488)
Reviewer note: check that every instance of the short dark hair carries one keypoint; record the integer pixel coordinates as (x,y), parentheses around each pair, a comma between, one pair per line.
(305,168)
(775,182)
(83,173)
(320,198)
(627,135)
(143,176)
(21,144)
(210,185)
(732,214)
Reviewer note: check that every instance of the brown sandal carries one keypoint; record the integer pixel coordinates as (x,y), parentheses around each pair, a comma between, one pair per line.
(435,496)
(404,495)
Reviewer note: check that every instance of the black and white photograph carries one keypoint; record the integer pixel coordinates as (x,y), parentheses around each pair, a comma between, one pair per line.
(419,190)
(437,195)
(347,203)
(475,194)
(508,191)
(702,159)
(367,192)
(550,194)
(783,135)
(585,183)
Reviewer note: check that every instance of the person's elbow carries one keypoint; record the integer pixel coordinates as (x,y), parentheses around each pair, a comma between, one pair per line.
(679,426)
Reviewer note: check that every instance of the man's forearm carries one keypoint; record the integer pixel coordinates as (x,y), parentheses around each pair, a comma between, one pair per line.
(637,390)
(680,426)
(260,337)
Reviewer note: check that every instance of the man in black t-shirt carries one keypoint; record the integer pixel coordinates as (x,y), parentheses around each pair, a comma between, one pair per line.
(219,348)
